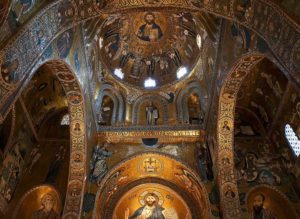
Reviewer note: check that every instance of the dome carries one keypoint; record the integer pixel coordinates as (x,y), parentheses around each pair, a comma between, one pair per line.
(150,48)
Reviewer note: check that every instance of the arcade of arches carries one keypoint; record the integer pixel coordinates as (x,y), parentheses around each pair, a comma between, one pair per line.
(154,109)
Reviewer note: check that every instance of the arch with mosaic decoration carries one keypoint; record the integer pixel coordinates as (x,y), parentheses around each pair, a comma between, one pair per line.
(230,205)
(75,99)
(77,171)
(171,170)
(280,32)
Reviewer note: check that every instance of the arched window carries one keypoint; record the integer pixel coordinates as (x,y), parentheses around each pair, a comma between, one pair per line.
(65,120)
(292,139)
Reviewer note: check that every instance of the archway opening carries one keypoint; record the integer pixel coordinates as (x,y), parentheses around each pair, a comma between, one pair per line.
(258,87)
(42,148)
(176,188)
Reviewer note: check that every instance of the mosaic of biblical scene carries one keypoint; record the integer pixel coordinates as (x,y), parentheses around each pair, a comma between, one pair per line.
(292,7)
(259,162)
(262,166)
(44,102)
(13,164)
(81,123)
(4,8)
(247,125)
(154,45)
(241,40)
(19,12)
(267,84)
(29,162)
(22,7)
(290,117)
(279,135)
(49,96)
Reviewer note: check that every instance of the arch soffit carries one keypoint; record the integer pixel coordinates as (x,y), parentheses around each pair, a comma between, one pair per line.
(256,120)
(281,46)
(77,170)
(71,86)
(225,133)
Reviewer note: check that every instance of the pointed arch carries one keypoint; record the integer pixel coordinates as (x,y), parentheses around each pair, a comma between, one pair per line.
(123,176)
(230,204)
(77,170)
(76,108)
(280,32)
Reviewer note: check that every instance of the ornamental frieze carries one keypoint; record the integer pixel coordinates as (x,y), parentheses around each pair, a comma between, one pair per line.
(121,5)
(163,136)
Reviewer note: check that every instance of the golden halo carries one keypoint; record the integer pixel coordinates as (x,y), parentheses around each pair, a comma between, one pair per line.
(142,196)
(149,13)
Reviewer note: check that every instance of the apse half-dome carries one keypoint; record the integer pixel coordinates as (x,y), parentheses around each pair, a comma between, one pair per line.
(150,48)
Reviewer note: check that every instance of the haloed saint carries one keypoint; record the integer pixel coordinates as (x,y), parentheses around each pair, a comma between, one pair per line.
(151,208)
(150,31)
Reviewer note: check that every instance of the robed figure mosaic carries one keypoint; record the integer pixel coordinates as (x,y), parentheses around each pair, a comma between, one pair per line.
(47,211)
(152,202)
(151,114)
(259,212)
(151,208)
(150,31)
(98,163)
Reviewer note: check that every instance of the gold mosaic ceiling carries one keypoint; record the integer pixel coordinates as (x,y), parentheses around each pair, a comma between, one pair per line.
(142,45)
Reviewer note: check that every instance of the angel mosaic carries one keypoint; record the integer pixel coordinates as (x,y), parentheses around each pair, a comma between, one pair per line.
(98,165)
